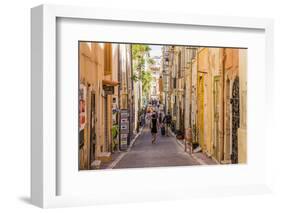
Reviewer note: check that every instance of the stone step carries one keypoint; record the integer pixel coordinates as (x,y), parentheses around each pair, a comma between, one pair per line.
(104,157)
(96,164)
(198,149)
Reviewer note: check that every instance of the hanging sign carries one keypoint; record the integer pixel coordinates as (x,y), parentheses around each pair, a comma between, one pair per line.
(108,90)
(82,106)
(124,113)
(124,141)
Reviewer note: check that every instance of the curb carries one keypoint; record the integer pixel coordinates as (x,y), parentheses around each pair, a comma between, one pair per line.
(134,140)
(200,161)
(114,163)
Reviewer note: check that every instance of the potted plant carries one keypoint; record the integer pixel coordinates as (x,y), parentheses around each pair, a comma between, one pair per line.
(114,132)
(195,133)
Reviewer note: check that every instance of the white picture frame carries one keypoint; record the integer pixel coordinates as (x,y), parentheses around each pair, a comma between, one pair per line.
(44,154)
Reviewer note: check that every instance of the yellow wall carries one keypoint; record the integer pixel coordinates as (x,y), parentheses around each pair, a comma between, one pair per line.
(91,73)
(242,131)
(216,141)
(231,70)
(87,76)
(205,107)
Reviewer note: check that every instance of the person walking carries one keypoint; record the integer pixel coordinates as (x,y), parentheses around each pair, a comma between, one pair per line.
(153,127)
(148,116)
(167,121)
(142,119)
(155,113)
(160,117)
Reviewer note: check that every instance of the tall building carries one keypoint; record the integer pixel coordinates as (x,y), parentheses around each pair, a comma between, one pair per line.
(104,69)
(206,96)
(155,71)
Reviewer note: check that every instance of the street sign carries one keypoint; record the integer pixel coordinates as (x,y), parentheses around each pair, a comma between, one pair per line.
(108,90)
(123,141)
(124,120)
(124,128)
(124,113)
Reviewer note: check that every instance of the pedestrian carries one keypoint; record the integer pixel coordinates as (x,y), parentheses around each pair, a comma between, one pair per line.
(155,113)
(148,116)
(153,127)
(167,121)
(160,117)
(142,119)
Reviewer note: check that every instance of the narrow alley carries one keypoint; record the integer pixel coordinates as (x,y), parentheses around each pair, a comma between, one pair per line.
(165,152)
(130,93)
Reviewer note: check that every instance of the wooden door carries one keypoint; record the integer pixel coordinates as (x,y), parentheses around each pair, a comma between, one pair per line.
(216,145)
(92,129)
(201,110)
(235,120)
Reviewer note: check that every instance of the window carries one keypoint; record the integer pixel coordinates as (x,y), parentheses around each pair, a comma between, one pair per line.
(174,83)
(107,59)
(179,65)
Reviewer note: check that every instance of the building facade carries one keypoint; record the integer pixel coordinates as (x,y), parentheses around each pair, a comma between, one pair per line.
(207,96)
(104,69)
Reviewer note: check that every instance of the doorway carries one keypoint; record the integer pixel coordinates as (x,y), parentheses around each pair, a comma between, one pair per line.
(216,145)
(235,120)
(201,110)
(226,147)
(92,128)
(106,142)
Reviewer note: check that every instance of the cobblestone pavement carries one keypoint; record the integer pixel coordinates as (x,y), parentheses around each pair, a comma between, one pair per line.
(165,152)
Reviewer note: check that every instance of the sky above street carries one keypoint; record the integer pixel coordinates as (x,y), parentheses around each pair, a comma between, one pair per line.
(155,50)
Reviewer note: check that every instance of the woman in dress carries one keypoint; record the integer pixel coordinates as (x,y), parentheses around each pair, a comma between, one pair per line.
(153,126)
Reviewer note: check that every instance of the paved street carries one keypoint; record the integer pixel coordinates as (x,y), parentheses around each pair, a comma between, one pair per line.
(165,152)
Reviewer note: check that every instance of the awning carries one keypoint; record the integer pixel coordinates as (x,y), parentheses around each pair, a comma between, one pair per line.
(110,82)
